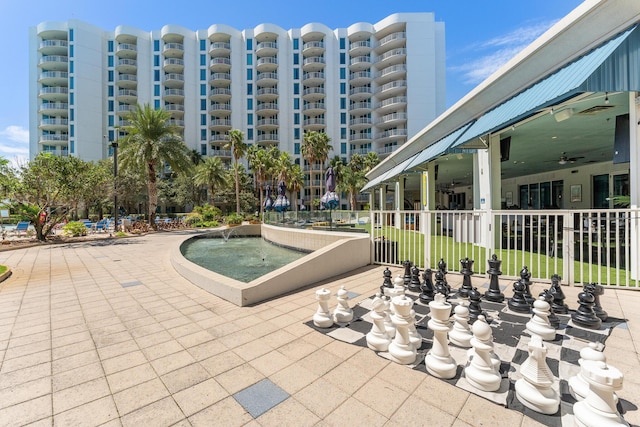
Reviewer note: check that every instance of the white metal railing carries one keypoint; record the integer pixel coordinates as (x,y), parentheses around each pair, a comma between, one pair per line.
(582,246)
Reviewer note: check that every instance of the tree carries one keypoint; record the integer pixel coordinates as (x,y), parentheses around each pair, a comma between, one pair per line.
(296,181)
(351,177)
(210,173)
(315,148)
(150,143)
(238,149)
(260,163)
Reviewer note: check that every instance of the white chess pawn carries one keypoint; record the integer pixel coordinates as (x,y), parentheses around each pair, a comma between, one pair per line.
(539,323)
(401,350)
(461,334)
(483,371)
(343,313)
(578,385)
(388,324)
(598,409)
(439,362)
(377,338)
(397,290)
(322,318)
(534,390)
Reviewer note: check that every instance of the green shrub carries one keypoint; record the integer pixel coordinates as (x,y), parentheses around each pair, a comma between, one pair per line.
(207,224)
(234,219)
(192,219)
(74,229)
(208,212)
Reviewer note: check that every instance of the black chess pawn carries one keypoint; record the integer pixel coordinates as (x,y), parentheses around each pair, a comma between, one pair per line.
(525,278)
(558,304)
(518,303)
(584,315)
(387,283)
(467,272)
(597,290)
(442,267)
(474,305)
(426,295)
(553,319)
(494,294)
(414,284)
(440,286)
(407,272)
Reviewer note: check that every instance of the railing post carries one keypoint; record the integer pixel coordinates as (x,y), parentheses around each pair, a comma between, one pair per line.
(426,230)
(568,239)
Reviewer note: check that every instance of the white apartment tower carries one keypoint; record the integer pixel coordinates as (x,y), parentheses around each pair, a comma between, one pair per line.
(370,87)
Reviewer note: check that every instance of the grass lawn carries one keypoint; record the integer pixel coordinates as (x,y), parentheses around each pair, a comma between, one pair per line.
(3,268)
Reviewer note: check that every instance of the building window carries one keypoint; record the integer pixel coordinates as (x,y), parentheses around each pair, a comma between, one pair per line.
(343,148)
(203,45)
(203,119)
(71,98)
(72,130)
(203,105)
(296,59)
(250,119)
(73,147)
(110,106)
(203,60)
(203,134)
(343,133)
(110,46)
(296,103)
(343,58)
(249,88)
(296,148)
(203,75)
(249,59)
(71,34)
(296,88)
(110,90)
(110,75)
(343,73)
(110,61)
(111,120)
(203,90)
(156,75)
(343,118)
(249,73)
(156,90)
(156,104)
(203,149)
(249,44)
(71,51)
(250,134)
(296,44)
(343,43)
(72,114)
(296,133)
(71,83)
(296,118)
(343,103)
(343,88)
(71,66)
(296,73)
(249,104)
(156,45)
(156,60)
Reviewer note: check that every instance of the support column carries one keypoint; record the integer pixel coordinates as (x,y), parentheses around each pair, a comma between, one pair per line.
(399,201)
(487,189)
(428,188)
(634,180)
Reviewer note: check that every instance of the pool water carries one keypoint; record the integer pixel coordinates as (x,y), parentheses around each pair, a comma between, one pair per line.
(241,258)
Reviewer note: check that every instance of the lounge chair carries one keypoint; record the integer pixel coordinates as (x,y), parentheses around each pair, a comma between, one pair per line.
(21,228)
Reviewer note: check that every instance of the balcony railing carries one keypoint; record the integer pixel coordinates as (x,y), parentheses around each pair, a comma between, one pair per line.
(173,76)
(174,92)
(126,46)
(391,132)
(54,90)
(54,122)
(391,85)
(54,43)
(53,58)
(267,137)
(359,44)
(391,101)
(314,106)
(366,105)
(54,138)
(54,106)
(391,37)
(391,53)
(130,62)
(173,46)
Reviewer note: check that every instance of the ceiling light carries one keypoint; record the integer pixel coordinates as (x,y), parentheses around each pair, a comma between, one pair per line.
(562,161)
(606,98)
(563,114)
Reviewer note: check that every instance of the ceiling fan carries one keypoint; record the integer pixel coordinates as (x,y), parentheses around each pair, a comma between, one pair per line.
(564,159)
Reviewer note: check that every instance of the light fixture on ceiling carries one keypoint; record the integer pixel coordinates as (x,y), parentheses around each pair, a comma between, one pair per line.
(562,161)
(606,98)
(563,114)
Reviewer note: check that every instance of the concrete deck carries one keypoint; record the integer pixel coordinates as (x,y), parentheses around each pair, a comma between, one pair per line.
(107,333)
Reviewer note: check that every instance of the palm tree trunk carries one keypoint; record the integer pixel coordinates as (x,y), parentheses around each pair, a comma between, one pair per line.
(152,187)
(237,189)
(211,196)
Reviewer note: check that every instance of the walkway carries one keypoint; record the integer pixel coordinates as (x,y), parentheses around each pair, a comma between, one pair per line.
(107,333)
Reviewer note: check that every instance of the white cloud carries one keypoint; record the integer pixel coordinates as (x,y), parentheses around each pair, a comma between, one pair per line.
(14,142)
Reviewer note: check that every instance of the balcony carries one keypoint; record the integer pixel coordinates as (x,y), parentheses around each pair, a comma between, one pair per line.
(127,50)
(392,41)
(173,65)
(315,63)
(314,108)
(54,63)
(314,123)
(313,79)
(220,109)
(176,122)
(359,48)
(128,66)
(360,78)
(267,64)
(128,96)
(54,108)
(220,80)
(216,139)
(359,63)
(127,81)
(360,123)
(54,93)
(53,124)
(220,49)
(52,139)
(174,109)
(361,93)
(173,50)
(360,108)
(267,94)
(126,109)
(393,119)
(267,79)
(383,151)
(267,124)
(173,95)
(174,81)
(220,125)
(393,57)
(220,94)
(220,153)
(391,104)
(395,88)
(313,48)
(53,78)
(313,94)
(393,72)
(360,137)
(220,65)
(266,49)
(53,47)
(267,108)
(391,135)
(268,138)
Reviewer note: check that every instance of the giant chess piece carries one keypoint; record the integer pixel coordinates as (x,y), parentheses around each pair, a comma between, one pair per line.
(558,304)
(539,323)
(585,316)
(475,310)
(599,407)
(525,278)
(483,370)
(342,313)
(597,290)
(322,318)
(534,390)
(461,334)
(553,319)
(442,267)
(441,286)
(578,385)
(388,324)
(466,271)
(426,296)
(414,283)
(398,288)
(407,272)
(439,362)
(386,283)
(518,303)
(378,339)
(401,350)
(494,294)
(414,336)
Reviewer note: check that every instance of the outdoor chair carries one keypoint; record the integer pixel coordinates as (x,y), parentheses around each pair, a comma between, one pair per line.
(21,228)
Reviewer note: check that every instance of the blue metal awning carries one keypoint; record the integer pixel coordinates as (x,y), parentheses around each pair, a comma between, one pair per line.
(437,149)
(396,170)
(563,84)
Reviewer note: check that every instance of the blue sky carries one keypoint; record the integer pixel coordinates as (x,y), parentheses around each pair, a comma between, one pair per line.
(480,35)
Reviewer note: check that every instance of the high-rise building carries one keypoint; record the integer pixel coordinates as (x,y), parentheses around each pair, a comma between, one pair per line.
(370,87)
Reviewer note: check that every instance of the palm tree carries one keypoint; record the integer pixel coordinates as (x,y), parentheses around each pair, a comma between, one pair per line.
(260,161)
(150,143)
(212,173)
(296,181)
(315,148)
(351,177)
(322,153)
(238,148)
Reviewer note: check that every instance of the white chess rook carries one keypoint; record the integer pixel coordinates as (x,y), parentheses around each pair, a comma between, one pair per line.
(598,409)
(461,334)
(322,318)
(539,323)
(343,313)
(377,338)
(534,390)
(401,350)
(483,370)
(439,362)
